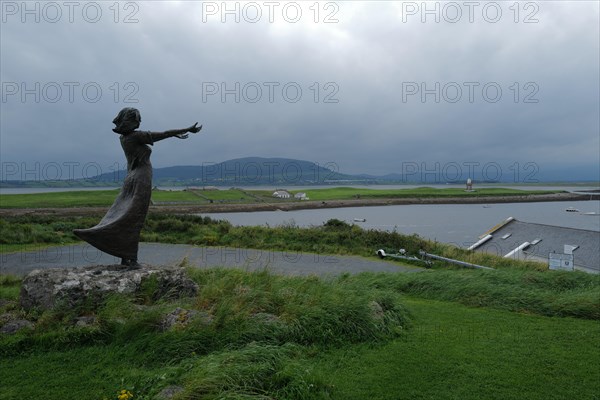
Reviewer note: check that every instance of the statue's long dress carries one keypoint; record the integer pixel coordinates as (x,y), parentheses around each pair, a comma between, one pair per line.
(118,233)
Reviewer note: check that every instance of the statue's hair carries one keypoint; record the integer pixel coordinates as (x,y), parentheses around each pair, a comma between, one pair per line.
(127,120)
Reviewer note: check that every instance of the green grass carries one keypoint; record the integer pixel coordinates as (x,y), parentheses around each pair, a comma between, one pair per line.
(176,196)
(10,287)
(100,198)
(231,195)
(30,232)
(346,193)
(262,329)
(549,293)
(457,352)
(307,338)
(84,198)
(87,198)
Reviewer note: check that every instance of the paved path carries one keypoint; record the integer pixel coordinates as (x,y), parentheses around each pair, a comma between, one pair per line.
(288,263)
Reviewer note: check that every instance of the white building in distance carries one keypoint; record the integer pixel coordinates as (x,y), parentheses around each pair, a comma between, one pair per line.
(281,194)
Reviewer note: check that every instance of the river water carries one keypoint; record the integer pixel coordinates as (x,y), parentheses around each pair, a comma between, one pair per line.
(459,224)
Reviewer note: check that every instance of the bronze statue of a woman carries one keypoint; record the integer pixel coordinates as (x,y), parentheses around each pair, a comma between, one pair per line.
(118,233)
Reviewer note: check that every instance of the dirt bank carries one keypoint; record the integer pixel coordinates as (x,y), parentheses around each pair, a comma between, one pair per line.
(306,205)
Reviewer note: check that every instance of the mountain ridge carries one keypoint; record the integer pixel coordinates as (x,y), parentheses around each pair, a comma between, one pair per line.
(249,171)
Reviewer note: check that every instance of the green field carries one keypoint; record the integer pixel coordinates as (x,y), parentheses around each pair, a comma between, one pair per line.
(274,337)
(346,193)
(457,352)
(84,198)
(176,197)
(104,198)
(229,196)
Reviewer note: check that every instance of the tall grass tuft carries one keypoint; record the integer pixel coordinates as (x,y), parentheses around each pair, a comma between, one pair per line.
(550,293)
(251,335)
(256,371)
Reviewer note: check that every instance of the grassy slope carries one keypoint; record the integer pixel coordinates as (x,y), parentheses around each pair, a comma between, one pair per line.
(239,352)
(493,345)
(456,352)
(329,347)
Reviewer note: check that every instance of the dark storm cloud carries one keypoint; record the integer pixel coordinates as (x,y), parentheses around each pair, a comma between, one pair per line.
(358,77)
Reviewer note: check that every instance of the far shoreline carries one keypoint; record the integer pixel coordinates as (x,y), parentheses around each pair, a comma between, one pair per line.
(308,205)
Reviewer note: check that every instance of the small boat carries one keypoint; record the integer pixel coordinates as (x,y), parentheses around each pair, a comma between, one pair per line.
(571,209)
(486,206)
(360,220)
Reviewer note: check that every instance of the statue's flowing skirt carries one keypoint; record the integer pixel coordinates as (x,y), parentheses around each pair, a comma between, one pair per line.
(118,233)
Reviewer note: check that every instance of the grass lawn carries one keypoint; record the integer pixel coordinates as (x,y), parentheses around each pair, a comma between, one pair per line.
(346,193)
(327,343)
(230,195)
(84,198)
(457,352)
(93,372)
(175,196)
(89,198)
(261,331)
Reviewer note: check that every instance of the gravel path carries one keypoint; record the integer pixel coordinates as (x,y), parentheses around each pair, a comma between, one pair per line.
(287,263)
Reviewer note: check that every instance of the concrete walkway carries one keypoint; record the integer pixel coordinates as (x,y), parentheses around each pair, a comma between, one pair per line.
(287,263)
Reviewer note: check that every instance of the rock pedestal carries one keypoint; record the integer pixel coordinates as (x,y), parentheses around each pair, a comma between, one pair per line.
(45,289)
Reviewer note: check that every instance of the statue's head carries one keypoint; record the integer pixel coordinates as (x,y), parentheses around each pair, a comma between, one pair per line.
(127,121)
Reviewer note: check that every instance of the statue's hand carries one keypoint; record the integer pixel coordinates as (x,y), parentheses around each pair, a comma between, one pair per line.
(194,128)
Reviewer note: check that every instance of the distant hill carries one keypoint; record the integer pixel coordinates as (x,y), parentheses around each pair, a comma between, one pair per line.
(244,171)
(283,172)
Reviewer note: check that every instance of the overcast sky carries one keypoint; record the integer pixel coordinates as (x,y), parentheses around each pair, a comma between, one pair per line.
(385,86)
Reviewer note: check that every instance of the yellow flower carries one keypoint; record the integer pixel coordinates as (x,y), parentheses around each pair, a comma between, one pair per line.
(124,394)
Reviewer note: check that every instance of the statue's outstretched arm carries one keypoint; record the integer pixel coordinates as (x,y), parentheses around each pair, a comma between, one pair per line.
(178,133)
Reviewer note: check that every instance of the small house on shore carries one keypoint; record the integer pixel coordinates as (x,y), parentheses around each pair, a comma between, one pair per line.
(301,196)
(560,247)
(282,194)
